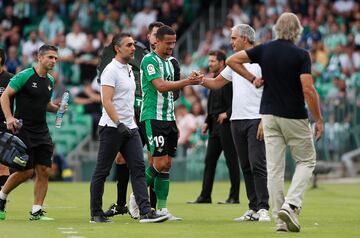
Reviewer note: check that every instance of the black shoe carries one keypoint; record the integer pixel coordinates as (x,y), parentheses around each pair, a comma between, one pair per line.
(2,209)
(114,209)
(100,219)
(2,204)
(39,216)
(230,201)
(152,217)
(200,200)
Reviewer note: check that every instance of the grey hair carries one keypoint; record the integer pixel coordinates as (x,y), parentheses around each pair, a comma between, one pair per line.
(245,30)
(288,27)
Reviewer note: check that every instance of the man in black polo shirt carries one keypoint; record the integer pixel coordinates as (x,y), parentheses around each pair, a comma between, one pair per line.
(286,75)
(4,81)
(32,89)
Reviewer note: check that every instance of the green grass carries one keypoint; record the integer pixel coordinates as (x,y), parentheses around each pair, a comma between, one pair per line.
(330,211)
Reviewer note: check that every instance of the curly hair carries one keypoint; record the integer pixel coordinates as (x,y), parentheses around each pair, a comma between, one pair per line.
(288,27)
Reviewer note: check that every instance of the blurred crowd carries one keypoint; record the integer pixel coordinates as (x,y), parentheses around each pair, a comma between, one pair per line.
(81,28)
(332,37)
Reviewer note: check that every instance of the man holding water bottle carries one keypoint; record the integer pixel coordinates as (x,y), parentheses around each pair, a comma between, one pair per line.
(32,88)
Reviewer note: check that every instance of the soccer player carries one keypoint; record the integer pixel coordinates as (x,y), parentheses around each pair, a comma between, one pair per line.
(4,81)
(122,172)
(287,80)
(157,112)
(32,89)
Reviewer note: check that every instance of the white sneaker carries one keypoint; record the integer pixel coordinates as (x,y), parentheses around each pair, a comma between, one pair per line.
(249,215)
(165,211)
(281,227)
(133,207)
(263,215)
(290,217)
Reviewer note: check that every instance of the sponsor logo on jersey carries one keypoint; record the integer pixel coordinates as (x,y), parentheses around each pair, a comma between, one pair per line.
(34,84)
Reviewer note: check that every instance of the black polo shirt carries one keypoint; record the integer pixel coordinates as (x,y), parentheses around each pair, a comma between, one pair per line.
(4,81)
(282,63)
(33,93)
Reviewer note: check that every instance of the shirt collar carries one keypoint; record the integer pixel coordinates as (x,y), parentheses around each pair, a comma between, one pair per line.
(120,65)
(167,59)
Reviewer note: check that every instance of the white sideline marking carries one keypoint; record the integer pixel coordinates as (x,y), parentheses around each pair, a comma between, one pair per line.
(69,232)
(65,228)
(76,236)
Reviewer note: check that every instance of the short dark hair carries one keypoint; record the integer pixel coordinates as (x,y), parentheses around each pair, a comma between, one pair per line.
(45,48)
(164,30)
(157,24)
(220,55)
(117,38)
(2,56)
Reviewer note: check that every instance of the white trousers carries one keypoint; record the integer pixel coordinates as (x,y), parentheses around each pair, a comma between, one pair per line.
(280,132)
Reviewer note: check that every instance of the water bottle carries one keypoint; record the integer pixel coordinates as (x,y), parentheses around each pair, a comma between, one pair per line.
(19,124)
(60,112)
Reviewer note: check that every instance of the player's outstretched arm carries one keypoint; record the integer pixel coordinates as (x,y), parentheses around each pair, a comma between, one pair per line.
(166,86)
(215,83)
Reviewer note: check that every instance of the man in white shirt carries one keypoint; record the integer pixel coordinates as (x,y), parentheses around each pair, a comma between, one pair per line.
(246,127)
(143,18)
(118,133)
(76,39)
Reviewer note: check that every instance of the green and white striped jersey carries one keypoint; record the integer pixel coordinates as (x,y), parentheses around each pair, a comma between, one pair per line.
(156,105)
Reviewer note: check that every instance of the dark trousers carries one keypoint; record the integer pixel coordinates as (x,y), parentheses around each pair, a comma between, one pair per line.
(220,139)
(251,153)
(111,143)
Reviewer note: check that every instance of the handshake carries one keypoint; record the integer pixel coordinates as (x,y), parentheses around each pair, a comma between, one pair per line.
(196,77)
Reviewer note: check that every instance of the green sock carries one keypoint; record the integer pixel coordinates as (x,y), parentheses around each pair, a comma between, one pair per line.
(150,174)
(161,187)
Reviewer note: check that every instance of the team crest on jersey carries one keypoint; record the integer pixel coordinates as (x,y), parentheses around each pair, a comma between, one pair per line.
(151,69)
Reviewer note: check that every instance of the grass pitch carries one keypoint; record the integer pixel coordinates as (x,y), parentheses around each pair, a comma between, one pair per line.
(329,211)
